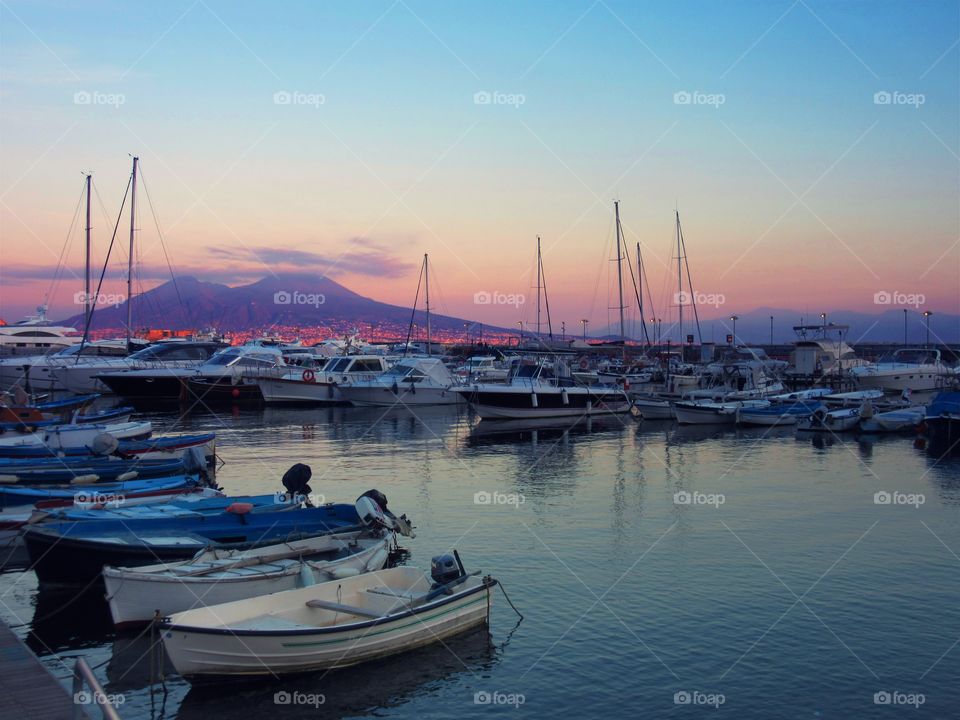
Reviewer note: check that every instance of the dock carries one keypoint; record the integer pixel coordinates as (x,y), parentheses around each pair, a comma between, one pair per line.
(28,689)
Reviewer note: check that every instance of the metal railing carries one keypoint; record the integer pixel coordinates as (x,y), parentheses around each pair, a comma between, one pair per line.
(92,696)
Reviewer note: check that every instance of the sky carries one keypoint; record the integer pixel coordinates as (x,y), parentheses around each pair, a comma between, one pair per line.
(811,149)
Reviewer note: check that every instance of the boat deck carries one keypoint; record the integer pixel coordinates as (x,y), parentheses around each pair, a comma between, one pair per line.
(28,689)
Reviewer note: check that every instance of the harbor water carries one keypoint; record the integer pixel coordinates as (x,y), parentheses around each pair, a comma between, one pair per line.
(660,571)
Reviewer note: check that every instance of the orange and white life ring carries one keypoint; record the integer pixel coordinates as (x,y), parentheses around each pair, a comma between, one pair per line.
(309,376)
(583,365)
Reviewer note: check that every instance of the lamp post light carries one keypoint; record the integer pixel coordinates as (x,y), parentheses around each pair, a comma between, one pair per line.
(904,327)
(771,331)
(520,340)
(734,318)
(823,322)
(926,317)
(584,323)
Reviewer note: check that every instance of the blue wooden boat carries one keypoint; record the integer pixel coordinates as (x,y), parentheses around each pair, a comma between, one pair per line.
(118,414)
(14,495)
(777,414)
(159,447)
(942,421)
(53,471)
(75,552)
(191,508)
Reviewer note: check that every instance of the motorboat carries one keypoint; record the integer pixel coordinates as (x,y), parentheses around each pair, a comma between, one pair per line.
(72,438)
(137,595)
(777,413)
(235,368)
(534,390)
(322,387)
(35,373)
(330,625)
(35,336)
(79,375)
(411,381)
(710,412)
(916,369)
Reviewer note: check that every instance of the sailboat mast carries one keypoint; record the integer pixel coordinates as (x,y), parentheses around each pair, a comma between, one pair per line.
(133,223)
(539,265)
(426,279)
(680,294)
(623,332)
(88,304)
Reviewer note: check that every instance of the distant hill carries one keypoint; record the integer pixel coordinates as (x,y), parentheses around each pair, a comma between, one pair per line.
(753,327)
(289,300)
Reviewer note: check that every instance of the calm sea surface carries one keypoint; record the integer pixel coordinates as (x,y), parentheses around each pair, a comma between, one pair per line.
(781,589)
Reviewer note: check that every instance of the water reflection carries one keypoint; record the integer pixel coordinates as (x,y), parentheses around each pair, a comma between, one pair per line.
(359,690)
(65,619)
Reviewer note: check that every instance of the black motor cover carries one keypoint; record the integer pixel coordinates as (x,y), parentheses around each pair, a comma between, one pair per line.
(296,479)
(378,497)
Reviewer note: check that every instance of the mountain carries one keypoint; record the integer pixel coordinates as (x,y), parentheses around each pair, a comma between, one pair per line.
(284,300)
(753,327)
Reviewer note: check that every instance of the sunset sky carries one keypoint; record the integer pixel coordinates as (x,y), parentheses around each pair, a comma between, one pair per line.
(811,147)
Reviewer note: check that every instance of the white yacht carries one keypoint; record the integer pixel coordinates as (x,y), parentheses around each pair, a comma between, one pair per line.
(916,369)
(321,386)
(35,335)
(79,375)
(411,381)
(35,373)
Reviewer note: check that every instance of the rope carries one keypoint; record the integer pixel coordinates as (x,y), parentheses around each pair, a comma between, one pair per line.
(504,590)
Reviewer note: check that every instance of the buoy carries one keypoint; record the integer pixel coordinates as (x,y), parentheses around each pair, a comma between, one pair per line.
(377,560)
(84,479)
(235,392)
(239,508)
(306,575)
(533,400)
(309,376)
(343,572)
(564,396)
(127,476)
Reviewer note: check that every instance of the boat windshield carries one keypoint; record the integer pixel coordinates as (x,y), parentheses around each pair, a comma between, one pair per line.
(239,356)
(338,365)
(917,356)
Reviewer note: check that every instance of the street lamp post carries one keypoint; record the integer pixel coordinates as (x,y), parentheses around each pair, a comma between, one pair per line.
(520,340)
(584,323)
(823,323)
(904,327)
(926,317)
(734,318)
(771,331)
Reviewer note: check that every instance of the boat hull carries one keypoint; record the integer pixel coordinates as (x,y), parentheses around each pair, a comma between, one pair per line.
(200,654)
(544,403)
(382,396)
(692,415)
(135,596)
(277,391)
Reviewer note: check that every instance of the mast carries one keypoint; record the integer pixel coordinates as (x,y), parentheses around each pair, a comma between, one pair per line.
(623,333)
(539,262)
(133,223)
(680,274)
(86,285)
(426,279)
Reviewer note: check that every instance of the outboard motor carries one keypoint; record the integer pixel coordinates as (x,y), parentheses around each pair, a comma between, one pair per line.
(296,481)
(371,512)
(444,569)
(378,497)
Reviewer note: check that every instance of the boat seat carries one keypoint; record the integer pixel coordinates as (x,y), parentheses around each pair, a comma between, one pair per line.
(338,607)
(267,622)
